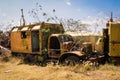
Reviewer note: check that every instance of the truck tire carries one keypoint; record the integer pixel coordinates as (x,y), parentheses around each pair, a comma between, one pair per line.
(71,61)
(29,59)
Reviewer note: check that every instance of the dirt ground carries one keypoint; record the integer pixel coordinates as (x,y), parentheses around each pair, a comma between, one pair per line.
(13,70)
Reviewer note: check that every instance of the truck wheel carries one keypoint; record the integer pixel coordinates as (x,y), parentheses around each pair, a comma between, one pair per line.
(71,61)
(29,59)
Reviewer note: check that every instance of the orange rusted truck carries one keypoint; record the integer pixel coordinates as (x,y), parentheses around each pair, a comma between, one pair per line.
(43,41)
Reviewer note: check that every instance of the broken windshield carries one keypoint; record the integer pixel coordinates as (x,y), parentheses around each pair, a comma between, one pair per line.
(65,38)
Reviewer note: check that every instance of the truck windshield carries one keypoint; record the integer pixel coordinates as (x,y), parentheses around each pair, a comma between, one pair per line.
(65,38)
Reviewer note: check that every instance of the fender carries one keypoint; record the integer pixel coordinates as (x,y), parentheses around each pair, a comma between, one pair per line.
(78,54)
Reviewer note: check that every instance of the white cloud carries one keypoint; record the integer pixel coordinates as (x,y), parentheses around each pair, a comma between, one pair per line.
(68,2)
(94,21)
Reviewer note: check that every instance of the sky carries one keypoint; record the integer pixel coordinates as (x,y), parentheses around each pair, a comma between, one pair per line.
(88,11)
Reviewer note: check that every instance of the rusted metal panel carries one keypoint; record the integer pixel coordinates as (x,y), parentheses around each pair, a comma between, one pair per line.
(24,28)
(115,50)
(18,44)
(46,30)
(114,36)
(36,27)
(79,53)
(15,29)
(22,38)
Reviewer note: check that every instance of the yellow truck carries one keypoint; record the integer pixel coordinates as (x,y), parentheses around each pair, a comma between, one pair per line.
(43,41)
(33,38)
(109,44)
(111,41)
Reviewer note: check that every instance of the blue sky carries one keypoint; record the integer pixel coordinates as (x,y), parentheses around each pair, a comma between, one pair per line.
(84,10)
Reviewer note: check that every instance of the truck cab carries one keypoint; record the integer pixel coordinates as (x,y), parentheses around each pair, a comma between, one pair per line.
(58,44)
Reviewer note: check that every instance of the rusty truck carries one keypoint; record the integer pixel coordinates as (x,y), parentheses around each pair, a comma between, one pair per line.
(42,42)
(110,42)
(47,41)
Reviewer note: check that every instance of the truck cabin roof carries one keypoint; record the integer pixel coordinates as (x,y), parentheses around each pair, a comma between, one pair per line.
(37,26)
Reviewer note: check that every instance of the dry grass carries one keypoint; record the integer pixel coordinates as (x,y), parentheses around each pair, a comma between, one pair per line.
(12,70)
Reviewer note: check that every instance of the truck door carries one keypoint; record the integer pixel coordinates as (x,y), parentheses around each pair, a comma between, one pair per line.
(35,41)
(54,47)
